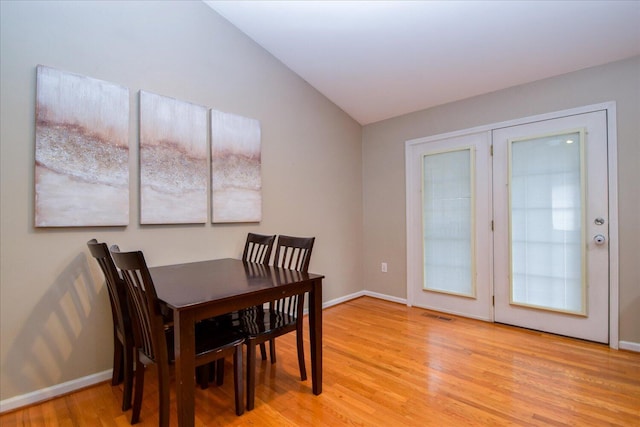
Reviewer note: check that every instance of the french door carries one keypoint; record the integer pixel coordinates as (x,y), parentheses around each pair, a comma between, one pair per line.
(452,226)
(510,223)
(551,234)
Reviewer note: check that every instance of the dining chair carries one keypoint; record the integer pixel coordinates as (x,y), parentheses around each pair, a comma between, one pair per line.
(154,340)
(281,316)
(123,343)
(257,250)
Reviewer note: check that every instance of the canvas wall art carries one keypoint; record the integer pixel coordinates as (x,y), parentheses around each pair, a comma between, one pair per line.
(82,151)
(174,168)
(236,182)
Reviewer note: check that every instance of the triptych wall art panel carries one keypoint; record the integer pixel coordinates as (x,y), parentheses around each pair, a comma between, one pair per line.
(82,157)
(236,183)
(174,168)
(82,151)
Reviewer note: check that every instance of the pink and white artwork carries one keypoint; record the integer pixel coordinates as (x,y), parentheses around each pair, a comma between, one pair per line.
(82,151)
(236,182)
(174,168)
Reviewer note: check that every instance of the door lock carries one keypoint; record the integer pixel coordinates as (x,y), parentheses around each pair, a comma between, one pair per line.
(599,239)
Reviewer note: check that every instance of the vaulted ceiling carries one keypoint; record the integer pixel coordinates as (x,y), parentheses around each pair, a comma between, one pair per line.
(381,59)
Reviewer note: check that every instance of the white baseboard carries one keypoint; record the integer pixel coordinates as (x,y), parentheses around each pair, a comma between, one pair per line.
(340,300)
(53,391)
(628,345)
(363,294)
(386,297)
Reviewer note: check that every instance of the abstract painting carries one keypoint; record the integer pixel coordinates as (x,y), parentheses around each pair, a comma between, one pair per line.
(174,168)
(236,183)
(82,151)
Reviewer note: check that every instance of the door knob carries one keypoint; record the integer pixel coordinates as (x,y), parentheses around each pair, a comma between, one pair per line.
(599,239)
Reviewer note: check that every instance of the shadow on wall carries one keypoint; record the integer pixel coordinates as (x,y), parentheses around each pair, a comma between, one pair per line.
(58,341)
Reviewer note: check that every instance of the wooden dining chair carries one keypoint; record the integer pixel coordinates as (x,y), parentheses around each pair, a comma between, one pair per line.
(257,250)
(282,316)
(123,343)
(154,340)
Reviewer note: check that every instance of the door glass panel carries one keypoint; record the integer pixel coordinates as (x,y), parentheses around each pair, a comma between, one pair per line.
(447,225)
(546,222)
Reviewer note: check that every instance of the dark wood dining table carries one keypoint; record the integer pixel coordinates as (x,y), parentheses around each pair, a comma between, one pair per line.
(200,290)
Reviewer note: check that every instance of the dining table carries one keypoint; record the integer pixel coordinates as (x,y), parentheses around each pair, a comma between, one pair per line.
(200,290)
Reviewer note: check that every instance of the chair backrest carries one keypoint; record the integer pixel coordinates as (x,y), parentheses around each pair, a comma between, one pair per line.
(257,248)
(146,314)
(294,253)
(115,286)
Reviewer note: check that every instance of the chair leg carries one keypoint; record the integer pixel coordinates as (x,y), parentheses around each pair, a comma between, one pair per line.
(220,371)
(299,339)
(272,350)
(260,318)
(212,371)
(202,375)
(263,351)
(303,369)
(118,356)
(251,375)
(128,377)
(137,399)
(237,379)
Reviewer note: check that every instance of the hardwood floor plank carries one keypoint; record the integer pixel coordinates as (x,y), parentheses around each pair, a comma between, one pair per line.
(388,364)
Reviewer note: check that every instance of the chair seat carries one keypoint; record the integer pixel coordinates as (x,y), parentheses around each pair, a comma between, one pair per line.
(210,339)
(255,322)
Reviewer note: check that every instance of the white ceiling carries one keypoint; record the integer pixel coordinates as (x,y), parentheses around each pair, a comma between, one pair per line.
(381,59)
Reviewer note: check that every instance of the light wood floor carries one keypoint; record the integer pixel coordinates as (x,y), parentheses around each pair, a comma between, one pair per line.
(389,365)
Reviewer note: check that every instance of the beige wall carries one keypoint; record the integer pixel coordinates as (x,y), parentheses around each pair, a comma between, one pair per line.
(55,320)
(384,173)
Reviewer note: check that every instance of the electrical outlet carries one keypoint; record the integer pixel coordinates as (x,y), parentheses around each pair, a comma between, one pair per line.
(383,267)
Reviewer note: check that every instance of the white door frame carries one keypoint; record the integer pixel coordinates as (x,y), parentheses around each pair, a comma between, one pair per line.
(414,251)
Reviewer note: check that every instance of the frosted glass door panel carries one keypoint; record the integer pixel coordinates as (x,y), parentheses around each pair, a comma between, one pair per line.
(447,198)
(547,199)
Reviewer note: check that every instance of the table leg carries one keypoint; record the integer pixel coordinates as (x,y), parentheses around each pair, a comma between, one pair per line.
(315,335)
(184,347)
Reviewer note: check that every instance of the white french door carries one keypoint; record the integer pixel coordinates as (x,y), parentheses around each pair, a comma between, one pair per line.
(519,236)
(451,225)
(551,235)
